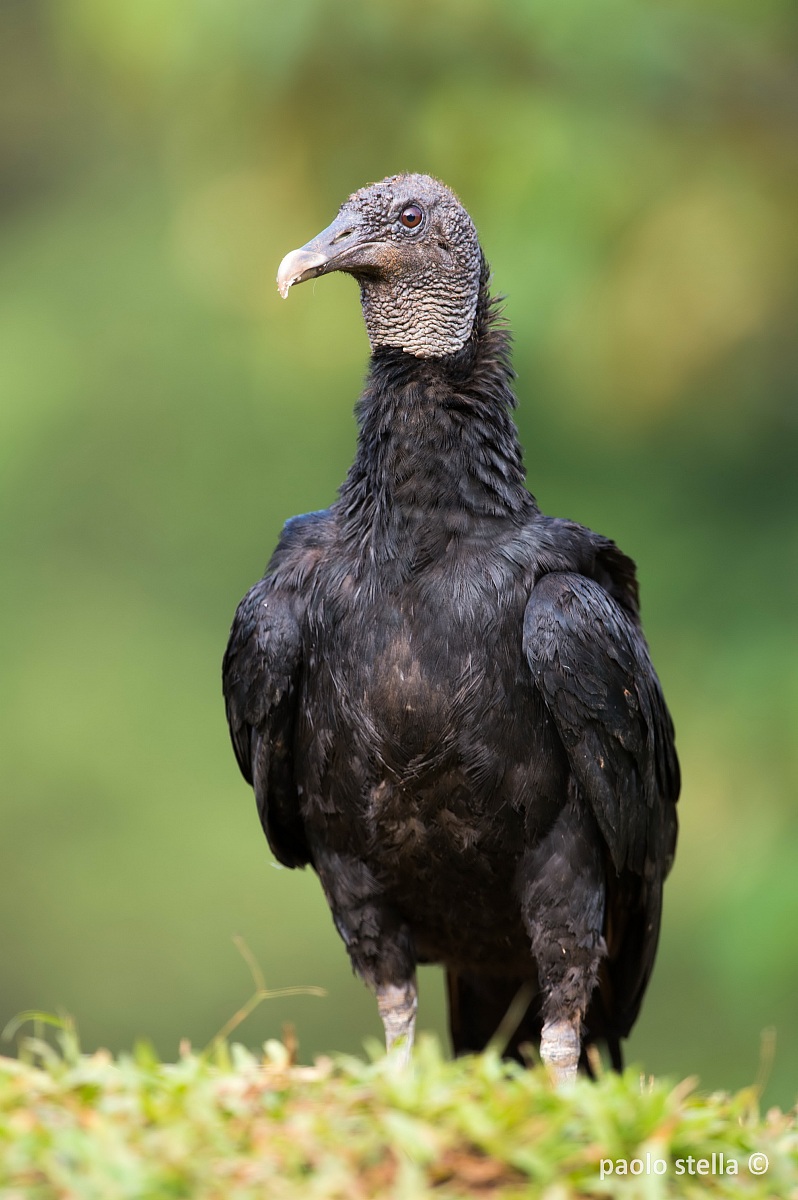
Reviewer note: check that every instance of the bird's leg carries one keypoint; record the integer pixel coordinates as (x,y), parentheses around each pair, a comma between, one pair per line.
(560,1044)
(562,899)
(379,944)
(397,1004)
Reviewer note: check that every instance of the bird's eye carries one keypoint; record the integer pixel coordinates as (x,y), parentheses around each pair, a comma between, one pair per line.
(411,217)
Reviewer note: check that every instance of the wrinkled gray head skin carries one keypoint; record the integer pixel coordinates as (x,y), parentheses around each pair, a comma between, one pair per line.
(414,251)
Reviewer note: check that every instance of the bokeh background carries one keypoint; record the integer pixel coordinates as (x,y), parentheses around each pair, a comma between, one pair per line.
(632,169)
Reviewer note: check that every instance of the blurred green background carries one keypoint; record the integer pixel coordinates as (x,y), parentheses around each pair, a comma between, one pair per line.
(632,170)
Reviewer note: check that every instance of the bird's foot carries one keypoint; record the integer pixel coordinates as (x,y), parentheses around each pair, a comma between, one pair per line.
(397,1004)
(559,1050)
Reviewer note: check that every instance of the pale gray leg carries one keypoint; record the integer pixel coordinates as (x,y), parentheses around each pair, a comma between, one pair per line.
(559,1049)
(397,1006)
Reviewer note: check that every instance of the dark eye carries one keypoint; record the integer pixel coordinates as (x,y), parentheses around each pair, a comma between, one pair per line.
(412,216)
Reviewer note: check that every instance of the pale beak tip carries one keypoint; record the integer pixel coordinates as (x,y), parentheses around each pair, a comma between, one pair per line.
(287,274)
(299,265)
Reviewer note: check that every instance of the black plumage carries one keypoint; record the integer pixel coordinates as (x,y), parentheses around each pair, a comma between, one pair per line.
(442,697)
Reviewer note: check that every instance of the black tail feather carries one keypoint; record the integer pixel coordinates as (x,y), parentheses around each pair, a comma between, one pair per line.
(479,1007)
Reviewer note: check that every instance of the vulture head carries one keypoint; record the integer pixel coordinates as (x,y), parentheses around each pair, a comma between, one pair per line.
(414,251)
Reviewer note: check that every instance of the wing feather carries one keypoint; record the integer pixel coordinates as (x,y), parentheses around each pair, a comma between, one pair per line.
(590,661)
(260,676)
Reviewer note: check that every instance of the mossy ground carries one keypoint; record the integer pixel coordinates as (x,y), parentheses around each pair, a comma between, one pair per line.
(231,1125)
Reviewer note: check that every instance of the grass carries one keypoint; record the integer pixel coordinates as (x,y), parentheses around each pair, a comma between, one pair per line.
(226,1124)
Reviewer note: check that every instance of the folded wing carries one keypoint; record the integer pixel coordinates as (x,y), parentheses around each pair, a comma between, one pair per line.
(260,677)
(590,661)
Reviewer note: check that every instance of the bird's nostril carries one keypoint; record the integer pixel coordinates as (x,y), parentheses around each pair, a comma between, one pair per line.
(339,237)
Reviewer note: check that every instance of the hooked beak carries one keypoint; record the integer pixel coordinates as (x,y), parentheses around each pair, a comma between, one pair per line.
(334,249)
(299,265)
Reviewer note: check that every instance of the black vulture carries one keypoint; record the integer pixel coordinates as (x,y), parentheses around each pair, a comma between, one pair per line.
(442,697)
